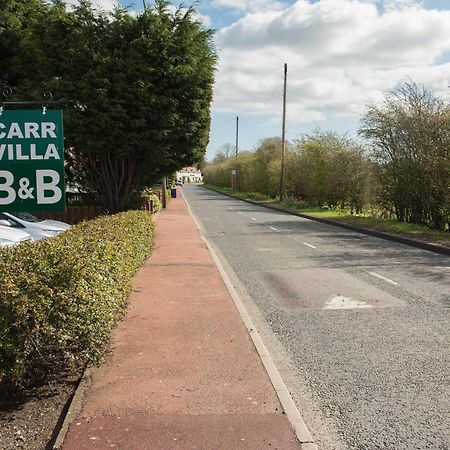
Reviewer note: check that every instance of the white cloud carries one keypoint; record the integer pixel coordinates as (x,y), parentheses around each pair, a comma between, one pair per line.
(109,5)
(390,5)
(341,55)
(106,5)
(205,20)
(250,5)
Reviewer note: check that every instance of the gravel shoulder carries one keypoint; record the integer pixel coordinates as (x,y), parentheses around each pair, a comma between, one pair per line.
(32,421)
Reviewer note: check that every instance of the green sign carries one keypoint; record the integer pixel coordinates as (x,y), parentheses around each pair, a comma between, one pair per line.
(31,161)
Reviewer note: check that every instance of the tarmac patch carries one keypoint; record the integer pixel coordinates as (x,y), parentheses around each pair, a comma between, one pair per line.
(340,302)
(325,288)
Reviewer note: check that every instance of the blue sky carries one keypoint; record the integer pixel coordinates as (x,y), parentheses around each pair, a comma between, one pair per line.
(341,55)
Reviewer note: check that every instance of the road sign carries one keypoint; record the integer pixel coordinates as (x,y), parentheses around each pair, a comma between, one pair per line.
(31,161)
(233,172)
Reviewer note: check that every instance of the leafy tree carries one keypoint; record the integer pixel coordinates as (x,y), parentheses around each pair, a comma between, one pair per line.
(266,167)
(328,169)
(17,19)
(219,173)
(410,137)
(244,167)
(141,89)
(321,169)
(223,153)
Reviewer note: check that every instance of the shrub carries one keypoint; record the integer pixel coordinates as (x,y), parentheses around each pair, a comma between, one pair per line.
(61,297)
(157,204)
(410,137)
(154,195)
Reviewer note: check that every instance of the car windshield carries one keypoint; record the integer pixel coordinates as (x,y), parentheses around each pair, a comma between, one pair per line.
(26,216)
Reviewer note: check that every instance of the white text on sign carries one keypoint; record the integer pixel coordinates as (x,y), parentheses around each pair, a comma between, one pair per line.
(46,183)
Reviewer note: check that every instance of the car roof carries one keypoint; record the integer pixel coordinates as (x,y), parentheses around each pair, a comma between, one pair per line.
(13,234)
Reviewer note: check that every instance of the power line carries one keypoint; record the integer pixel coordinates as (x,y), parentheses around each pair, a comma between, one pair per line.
(225,122)
(271,95)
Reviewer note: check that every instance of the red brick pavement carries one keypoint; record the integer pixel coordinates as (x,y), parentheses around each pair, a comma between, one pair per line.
(183,372)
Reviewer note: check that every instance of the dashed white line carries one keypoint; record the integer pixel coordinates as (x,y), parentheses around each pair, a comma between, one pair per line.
(377,275)
(253,219)
(274,229)
(308,245)
(239,212)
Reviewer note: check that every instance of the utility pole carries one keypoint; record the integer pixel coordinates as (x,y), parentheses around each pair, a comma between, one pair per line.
(164,199)
(283,136)
(237,150)
(237,135)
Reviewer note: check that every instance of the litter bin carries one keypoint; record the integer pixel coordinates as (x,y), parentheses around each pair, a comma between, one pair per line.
(173,193)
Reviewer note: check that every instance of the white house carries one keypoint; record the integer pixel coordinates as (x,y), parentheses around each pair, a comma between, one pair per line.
(189,175)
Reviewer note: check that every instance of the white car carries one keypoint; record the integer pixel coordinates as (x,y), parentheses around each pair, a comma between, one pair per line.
(37,228)
(11,236)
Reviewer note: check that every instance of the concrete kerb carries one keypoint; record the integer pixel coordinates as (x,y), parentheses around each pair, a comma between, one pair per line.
(436,248)
(74,408)
(300,428)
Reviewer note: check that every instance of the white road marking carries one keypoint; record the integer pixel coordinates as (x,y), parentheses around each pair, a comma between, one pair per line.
(374,274)
(253,219)
(239,212)
(340,302)
(309,245)
(274,229)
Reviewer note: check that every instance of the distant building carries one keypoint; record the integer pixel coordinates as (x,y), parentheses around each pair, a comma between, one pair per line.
(189,175)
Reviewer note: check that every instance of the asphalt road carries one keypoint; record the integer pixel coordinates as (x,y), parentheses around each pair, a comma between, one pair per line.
(359,327)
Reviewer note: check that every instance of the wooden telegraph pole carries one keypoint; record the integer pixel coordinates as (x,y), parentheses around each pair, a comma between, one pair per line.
(237,135)
(163,199)
(283,136)
(237,149)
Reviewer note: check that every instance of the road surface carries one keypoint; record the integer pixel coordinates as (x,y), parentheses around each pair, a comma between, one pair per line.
(359,327)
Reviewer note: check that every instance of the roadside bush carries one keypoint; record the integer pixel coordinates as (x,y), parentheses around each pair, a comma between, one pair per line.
(410,148)
(326,169)
(257,171)
(149,195)
(61,297)
(157,204)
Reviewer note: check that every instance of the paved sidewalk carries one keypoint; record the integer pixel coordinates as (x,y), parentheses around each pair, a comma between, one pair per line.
(183,373)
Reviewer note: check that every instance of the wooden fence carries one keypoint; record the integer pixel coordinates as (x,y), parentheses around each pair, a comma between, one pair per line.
(73,214)
(76,214)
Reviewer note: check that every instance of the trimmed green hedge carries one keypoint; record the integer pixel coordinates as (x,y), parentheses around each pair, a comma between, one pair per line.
(61,297)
